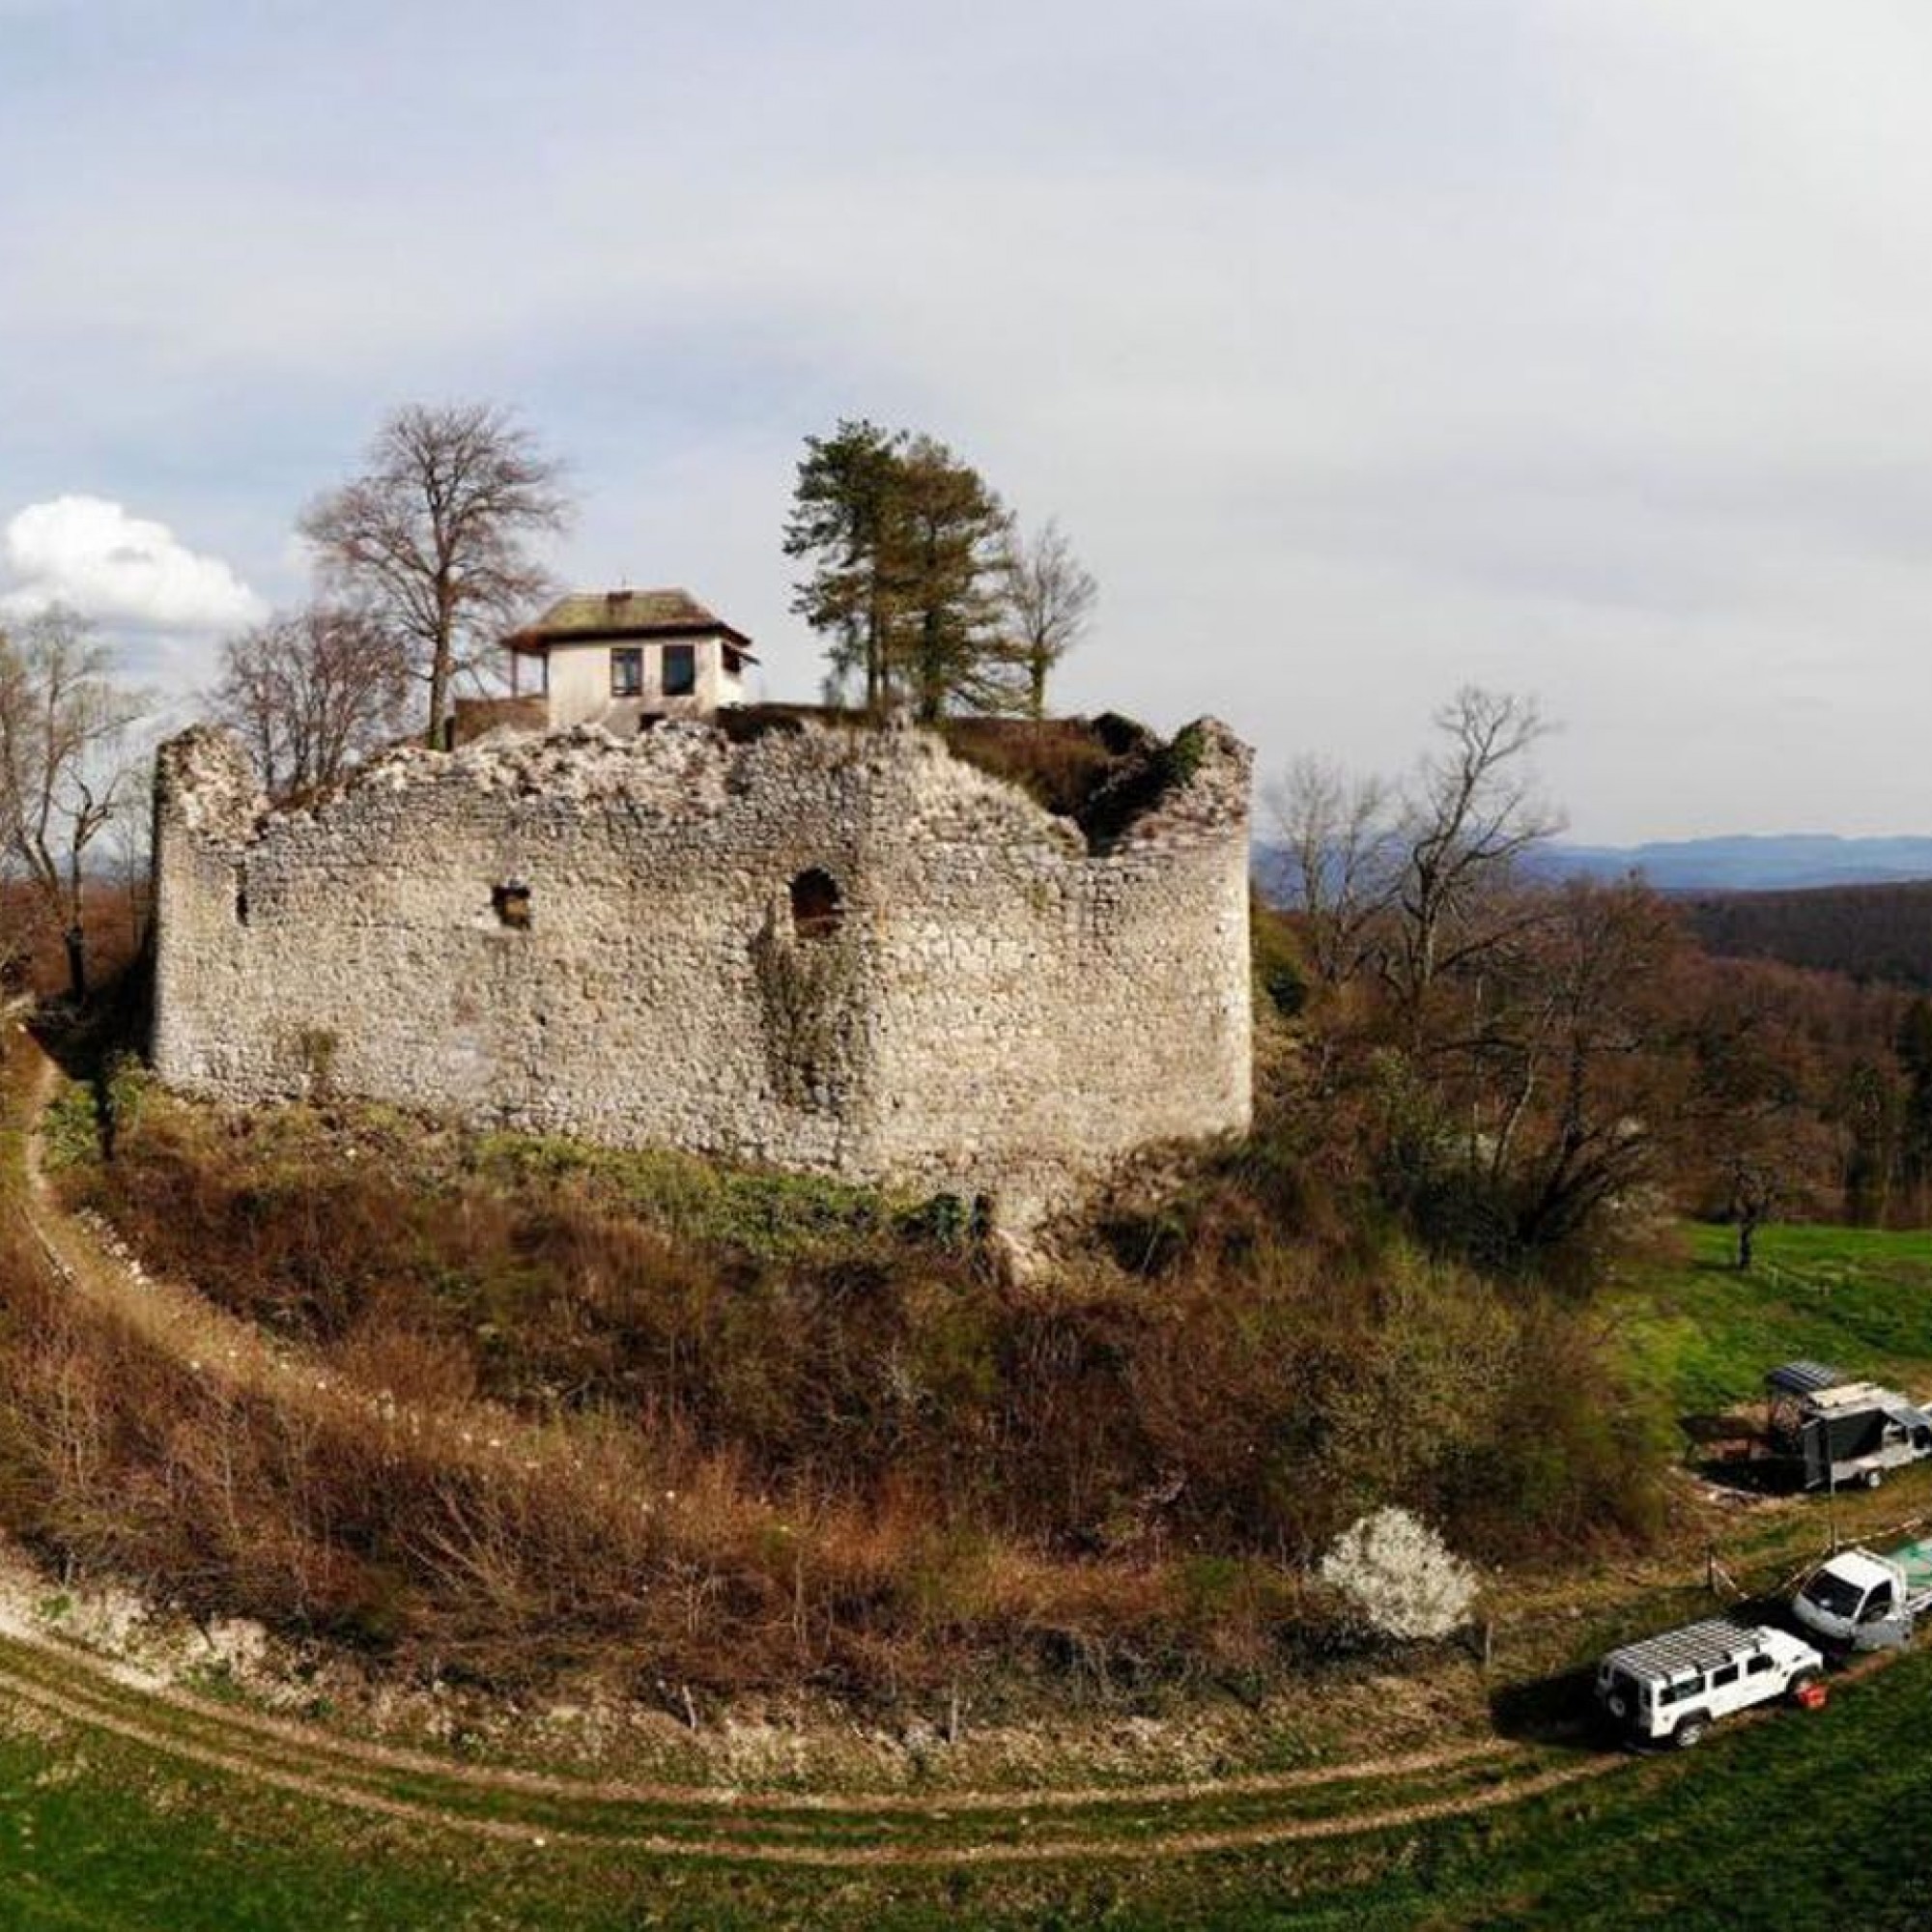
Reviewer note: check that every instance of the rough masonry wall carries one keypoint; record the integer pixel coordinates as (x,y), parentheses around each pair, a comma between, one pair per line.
(993,1009)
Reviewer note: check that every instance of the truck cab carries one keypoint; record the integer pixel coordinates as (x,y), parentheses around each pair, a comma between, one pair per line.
(1859,1601)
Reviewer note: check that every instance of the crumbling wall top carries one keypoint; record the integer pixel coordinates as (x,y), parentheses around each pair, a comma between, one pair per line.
(204,780)
(1197,784)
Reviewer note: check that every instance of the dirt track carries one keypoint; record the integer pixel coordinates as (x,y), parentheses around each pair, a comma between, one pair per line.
(821,1829)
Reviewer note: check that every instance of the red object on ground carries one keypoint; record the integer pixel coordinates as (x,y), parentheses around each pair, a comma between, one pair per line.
(1813,1697)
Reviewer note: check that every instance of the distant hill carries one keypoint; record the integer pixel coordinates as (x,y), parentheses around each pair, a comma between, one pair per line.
(1749,862)
(1862,906)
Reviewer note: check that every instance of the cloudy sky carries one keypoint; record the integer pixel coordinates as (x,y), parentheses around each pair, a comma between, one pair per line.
(1365,348)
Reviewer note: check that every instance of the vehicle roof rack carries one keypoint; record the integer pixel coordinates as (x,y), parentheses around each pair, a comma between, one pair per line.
(1699,1646)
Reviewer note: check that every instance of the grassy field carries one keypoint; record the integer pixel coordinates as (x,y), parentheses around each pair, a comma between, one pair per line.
(1701,1335)
(1790,1821)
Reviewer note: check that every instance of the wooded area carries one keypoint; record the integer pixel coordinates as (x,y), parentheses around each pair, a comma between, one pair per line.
(1527,1065)
(1873,933)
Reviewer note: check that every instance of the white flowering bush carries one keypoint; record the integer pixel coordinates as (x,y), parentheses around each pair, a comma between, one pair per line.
(1404,1580)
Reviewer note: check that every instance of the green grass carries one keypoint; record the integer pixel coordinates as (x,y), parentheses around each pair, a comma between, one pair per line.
(70,1127)
(1798,1821)
(764,1211)
(1793,1821)
(1700,1335)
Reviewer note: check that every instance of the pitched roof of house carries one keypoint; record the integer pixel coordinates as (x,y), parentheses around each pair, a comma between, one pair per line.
(587,616)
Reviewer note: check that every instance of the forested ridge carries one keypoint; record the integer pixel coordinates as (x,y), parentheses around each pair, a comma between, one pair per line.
(1880,932)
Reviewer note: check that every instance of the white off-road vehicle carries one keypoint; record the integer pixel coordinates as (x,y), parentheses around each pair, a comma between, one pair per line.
(1675,1686)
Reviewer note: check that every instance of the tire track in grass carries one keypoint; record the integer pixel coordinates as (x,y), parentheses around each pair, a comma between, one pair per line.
(265,1732)
(1178,1840)
(82,1690)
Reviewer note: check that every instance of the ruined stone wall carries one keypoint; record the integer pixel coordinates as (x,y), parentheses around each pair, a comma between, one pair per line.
(599,937)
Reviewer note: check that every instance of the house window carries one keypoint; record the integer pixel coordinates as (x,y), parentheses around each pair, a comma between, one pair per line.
(734,662)
(626,673)
(680,670)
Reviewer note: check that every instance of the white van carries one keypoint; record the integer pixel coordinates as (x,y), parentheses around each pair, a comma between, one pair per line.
(1677,1686)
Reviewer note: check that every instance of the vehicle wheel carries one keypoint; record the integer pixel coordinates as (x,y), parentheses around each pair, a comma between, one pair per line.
(1619,1708)
(1690,1731)
(1873,1478)
(1800,1683)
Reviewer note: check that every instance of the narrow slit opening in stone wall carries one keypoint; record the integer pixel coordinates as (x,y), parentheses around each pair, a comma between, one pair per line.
(512,903)
(817,907)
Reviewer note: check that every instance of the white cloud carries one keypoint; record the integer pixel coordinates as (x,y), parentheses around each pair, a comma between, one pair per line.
(92,557)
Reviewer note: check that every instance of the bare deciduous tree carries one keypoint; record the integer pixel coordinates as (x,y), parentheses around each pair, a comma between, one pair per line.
(1416,879)
(1338,853)
(64,778)
(1751,1119)
(1048,597)
(434,537)
(130,864)
(1471,814)
(1571,1049)
(310,691)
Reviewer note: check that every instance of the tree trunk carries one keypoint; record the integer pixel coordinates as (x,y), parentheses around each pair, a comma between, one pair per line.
(76,942)
(1746,1234)
(438,695)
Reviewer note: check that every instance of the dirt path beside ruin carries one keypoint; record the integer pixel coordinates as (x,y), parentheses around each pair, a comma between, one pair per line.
(829,1829)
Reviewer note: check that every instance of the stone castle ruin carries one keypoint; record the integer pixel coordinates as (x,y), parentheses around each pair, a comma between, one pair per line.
(820,944)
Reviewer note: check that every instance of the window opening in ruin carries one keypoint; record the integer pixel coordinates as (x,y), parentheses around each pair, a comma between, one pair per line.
(241,905)
(626,673)
(817,907)
(680,670)
(512,903)
(734,662)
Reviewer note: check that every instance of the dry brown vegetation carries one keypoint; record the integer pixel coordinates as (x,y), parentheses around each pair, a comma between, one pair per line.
(757,1432)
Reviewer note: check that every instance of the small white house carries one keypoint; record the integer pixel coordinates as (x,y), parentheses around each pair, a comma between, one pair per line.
(617,657)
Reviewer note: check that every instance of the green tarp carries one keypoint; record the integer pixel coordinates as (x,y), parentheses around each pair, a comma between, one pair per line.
(1915,1559)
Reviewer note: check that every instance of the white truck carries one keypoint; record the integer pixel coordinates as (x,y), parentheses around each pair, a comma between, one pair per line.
(1859,1600)
(1675,1686)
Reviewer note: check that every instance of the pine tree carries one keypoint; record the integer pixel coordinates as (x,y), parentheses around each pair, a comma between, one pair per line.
(905,543)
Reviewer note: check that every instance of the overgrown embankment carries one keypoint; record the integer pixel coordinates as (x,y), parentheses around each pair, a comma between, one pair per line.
(736,1432)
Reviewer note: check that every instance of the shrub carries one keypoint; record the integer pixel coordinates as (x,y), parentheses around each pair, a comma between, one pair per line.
(1402,1575)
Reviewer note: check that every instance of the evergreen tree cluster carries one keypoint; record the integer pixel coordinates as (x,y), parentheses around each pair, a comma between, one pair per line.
(918,577)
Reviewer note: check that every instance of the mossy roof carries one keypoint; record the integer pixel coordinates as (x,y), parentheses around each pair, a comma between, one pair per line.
(588,615)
